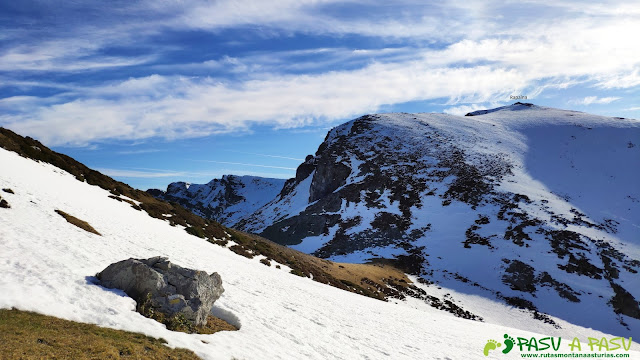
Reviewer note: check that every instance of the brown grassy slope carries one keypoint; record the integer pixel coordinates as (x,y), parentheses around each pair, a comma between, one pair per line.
(77,222)
(28,335)
(377,281)
(374,280)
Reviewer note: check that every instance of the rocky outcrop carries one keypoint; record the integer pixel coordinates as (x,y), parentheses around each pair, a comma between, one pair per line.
(167,288)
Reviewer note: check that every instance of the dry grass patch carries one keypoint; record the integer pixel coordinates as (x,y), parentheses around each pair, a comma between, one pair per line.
(214,325)
(378,273)
(77,222)
(379,280)
(28,335)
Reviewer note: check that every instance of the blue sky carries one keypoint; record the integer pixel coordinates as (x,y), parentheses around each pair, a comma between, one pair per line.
(156,91)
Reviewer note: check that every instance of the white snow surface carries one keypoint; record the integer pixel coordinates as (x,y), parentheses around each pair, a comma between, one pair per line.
(48,265)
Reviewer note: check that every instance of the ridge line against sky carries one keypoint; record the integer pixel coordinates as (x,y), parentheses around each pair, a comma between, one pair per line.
(147,77)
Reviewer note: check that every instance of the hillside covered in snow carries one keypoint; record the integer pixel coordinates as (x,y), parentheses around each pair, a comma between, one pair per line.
(536,207)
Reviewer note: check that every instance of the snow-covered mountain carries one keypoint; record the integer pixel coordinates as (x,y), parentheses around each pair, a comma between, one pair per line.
(225,200)
(47,265)
(535,206)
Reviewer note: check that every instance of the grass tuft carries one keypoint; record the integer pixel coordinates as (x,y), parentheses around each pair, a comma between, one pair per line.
(77,222)
(178,322)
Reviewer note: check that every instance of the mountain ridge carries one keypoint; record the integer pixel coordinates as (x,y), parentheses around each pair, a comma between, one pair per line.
(224,200)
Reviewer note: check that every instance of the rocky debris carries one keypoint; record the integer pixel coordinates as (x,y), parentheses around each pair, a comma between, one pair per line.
(522,277)
(527,305)
(446,304)
(3,203)
(475,238)
(169,289)
(623,302)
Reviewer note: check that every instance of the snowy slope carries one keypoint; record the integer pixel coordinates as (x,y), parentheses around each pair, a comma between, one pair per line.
(225,200)
(533,206)
(47,266)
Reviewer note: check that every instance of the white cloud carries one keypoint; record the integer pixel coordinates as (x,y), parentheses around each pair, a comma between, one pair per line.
(70,54)
(488,57)
(174,107)
(595,100)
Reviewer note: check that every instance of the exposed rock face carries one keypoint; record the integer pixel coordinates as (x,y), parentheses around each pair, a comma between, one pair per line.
(376,166)
(169,288)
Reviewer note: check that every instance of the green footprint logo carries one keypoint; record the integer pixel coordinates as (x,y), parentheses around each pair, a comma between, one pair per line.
(491,345)
(508,343)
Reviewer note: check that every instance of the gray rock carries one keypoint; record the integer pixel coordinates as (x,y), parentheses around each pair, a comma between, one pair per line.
(168,288)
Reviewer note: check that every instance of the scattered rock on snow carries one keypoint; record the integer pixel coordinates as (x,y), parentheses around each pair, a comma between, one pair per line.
(167,288)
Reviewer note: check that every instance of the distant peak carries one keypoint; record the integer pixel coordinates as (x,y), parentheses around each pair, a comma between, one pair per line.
(515,106)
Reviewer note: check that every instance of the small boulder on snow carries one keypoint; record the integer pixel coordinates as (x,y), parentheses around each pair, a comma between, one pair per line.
(165,287)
